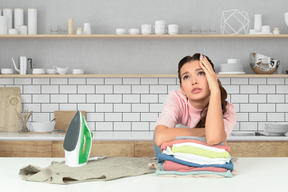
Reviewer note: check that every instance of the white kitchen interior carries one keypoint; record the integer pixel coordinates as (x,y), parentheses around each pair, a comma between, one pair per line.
(126,78)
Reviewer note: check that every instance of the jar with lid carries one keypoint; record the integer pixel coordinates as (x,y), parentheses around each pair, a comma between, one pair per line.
(276,31)
(79,31)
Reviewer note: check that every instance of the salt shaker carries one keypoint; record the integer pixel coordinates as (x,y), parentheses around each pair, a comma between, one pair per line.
(79,31)
(276,31)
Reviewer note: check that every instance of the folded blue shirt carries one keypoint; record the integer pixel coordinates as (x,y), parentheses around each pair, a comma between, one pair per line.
(164,157)
(161,171)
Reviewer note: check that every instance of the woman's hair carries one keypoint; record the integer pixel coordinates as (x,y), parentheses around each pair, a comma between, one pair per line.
(196,57)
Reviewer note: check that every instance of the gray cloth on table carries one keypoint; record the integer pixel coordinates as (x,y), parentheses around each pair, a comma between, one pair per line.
(203,139)
(103,169)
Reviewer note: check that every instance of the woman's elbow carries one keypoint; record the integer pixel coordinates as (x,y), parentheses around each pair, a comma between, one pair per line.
(215,140)
(159,136)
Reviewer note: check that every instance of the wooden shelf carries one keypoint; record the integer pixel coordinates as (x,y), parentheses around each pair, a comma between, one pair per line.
(112,36)
(134,75)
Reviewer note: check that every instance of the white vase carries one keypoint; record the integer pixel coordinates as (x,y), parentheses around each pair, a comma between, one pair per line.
(286,18)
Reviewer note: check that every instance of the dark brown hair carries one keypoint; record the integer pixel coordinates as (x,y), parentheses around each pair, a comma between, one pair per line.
(196,57)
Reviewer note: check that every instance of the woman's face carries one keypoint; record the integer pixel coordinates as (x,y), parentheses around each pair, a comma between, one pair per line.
(194,83)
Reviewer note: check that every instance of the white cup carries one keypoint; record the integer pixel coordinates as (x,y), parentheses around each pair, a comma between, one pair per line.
(60,70)
(159,23)
(173,29)
(160,31)
(266,29)
(77,71)
(87,29)
(120,31)
(258,22)
(6,71)
(23,29)
(146,29)
(13,31)
(134,31)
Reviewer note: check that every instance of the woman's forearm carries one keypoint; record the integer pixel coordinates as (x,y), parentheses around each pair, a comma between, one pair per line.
(164,134)
(214,127)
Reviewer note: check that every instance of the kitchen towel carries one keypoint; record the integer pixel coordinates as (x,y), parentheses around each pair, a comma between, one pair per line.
(199,151)
(189,157)
(164,157)
(172,166)
(171,143)
(103,169)
(161,171)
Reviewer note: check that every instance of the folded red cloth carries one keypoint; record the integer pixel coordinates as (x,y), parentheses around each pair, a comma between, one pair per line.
(172,166)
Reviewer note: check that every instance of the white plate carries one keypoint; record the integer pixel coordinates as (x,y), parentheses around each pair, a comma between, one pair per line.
(232,73)
(243,133)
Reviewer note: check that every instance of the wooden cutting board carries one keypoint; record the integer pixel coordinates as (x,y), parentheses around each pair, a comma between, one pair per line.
(10,104)
(63,118)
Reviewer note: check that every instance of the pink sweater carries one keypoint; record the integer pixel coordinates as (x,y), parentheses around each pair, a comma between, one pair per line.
(178,110)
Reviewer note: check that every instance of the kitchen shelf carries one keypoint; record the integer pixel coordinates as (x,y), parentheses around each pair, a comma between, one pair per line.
(136,75)
(114,36)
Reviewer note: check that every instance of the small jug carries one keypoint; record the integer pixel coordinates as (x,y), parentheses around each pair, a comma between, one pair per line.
(24,67)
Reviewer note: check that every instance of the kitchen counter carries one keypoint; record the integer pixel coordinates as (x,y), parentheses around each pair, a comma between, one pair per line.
(117,136)
(254,174)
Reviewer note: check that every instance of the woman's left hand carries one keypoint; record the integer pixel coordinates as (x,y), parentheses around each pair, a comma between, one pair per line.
(210,74)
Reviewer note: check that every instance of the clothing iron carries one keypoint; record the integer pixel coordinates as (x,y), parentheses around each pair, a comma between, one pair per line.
(77,142)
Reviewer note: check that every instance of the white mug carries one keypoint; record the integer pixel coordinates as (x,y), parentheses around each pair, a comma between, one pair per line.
(160,31)
(120,31)
(23,29)
(146,29)
(77,71)
(61,71)
(134,31)
(13,31)
(173,29)
(87,29)
(266,29)
(159,23)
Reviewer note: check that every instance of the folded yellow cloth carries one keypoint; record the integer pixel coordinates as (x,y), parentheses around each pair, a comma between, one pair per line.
(199,151)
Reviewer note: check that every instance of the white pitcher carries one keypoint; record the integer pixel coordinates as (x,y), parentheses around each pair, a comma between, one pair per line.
(24,68)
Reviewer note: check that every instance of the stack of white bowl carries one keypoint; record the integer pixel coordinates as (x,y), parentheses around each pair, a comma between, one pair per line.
(233,66)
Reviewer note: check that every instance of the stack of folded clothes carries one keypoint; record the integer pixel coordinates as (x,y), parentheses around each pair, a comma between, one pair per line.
(194,158)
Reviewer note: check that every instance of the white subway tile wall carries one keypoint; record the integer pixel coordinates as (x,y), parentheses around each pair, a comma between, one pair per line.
(131,104)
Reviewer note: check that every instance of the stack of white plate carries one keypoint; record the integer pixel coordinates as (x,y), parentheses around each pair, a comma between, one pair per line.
(233,66)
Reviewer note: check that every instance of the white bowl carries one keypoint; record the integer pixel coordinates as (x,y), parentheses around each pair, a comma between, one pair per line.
(6,71)
(37,71)
(42,126)
(243,133)
(50,71)
(276,129)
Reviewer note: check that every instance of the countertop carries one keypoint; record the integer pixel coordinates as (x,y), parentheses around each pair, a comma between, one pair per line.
(254,174)
(118,136)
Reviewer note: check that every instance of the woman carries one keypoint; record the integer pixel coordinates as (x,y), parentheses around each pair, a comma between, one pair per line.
(200,105)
